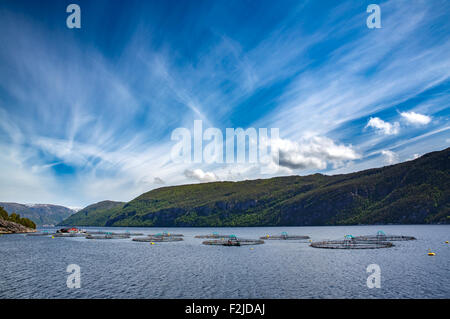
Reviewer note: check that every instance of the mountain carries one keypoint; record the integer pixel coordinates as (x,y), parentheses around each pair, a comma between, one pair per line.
(413,192)
(95,214)
(41,214)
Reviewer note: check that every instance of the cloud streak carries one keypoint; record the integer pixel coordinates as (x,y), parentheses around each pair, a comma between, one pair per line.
(87,116)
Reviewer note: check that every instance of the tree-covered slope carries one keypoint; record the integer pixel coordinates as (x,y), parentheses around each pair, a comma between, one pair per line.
(10,224)
(93,215)
(411,192)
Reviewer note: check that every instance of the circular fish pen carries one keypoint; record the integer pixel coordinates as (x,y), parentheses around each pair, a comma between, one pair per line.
(165,234)
(108,236)
(232,240)
(213,235)
(350,242)
(381,236)
(69,235)
(284,236)
(158,239)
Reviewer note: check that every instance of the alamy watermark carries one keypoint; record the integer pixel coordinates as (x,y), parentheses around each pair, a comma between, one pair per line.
(374,19)
(74,19)
(374,279)
(239,146)
(74,279)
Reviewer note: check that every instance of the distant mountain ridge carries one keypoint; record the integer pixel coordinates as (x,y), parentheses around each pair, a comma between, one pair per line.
(413,192)
(41,214)
(95,214)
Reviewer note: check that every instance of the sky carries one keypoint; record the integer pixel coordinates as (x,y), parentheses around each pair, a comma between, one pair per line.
(87,114)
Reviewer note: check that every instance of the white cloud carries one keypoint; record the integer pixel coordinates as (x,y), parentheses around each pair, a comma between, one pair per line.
(158,180)
(384,127)
(416,118)
(389,157)
(200,175)
(313,152)
(115,161)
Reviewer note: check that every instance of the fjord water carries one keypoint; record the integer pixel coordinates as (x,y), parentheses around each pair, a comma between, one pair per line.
(35,267)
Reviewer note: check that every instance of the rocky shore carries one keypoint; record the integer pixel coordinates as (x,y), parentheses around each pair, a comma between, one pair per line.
(8,227)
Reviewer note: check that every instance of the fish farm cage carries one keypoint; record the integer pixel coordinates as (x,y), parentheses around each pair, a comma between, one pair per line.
(158,239)
(345,244)
(232,240)
(165,234)
(213,235)
(351,242)
(381,236)
(284,236)
(69,235)
(108,236)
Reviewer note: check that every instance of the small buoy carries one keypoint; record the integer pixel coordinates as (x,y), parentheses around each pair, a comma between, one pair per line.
(53,237)
(267,236)
(252,248)
(152,243)
(310,241)
(430,253)
(446,241)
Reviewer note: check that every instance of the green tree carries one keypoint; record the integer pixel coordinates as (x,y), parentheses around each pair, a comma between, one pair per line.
(16,219)
(27,223)
(3,214)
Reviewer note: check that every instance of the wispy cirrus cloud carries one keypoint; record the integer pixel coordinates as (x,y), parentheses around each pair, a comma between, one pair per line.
(87,116)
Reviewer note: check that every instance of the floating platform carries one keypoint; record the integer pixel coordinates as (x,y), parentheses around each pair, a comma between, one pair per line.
(239,242)
(232,240)
(158,239)
(284,236)
(381,236)
(351,244)
(108,236)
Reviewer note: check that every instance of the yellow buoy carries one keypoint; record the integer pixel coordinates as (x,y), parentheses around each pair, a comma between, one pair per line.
(53,237)
(152,243)
(267,236)
(252,248)
(430,253)
(446,241)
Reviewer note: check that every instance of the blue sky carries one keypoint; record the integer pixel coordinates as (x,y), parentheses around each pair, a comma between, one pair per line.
(87,114)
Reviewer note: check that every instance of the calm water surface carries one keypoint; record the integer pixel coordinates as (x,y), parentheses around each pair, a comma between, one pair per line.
(35,267)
